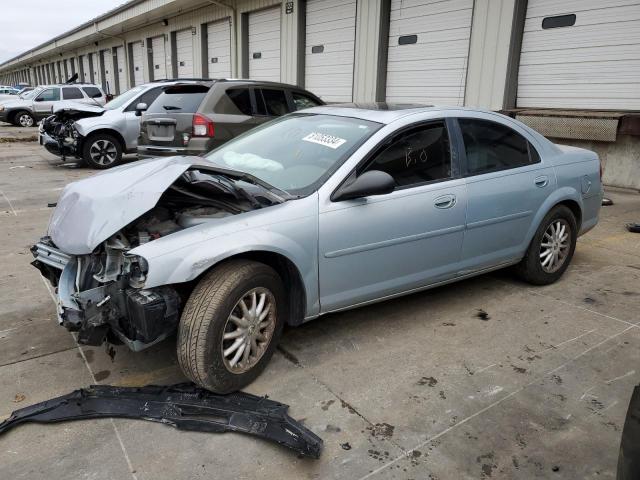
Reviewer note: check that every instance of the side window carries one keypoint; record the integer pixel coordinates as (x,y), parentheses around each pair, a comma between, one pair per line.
(92,92)
(147,97)
(241,98)
(418,156)
(275,102)
(301,101)
(491,147)
(71,93)
(49,95)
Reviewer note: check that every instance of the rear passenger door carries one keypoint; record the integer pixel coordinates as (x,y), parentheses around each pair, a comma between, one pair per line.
(506,185)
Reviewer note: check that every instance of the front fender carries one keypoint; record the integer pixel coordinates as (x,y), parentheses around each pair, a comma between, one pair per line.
(295,240)
(560,195)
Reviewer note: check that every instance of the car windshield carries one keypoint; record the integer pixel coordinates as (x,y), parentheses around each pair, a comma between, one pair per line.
(30,93)
(122,99)
(295,153)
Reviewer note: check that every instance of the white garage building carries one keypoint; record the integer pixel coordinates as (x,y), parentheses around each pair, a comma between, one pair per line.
(570,68)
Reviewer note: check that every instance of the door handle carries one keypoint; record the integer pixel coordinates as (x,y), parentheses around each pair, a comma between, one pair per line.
(542,181)
(445,201)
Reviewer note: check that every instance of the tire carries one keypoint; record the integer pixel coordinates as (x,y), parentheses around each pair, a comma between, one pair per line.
(207,318)
(544,245)
(101,151)
(23,118)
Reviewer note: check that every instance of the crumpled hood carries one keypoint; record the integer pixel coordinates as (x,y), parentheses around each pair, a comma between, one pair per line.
(73,108)
(91,210)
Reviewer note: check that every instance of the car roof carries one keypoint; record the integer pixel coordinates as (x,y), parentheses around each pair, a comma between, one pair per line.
(78,84)
(382,112)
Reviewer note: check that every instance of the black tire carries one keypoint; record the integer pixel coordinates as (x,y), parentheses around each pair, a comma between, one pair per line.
(205,320)
(23,118)
(101,151)
(531,269)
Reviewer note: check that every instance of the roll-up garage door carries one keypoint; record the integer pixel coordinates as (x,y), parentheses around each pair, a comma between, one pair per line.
(121,70)
(580,54)
(219,49)
(184,53)
(264,44)
(428,51)
(159,58)
(329,50)
(86,69)
(137,62)
(109,78)
(95,68)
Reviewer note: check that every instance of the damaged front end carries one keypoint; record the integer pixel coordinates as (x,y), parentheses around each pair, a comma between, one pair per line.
(100,295)
(100,285)
(58,134)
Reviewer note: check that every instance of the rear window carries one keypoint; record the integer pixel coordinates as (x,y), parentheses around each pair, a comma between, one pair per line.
(92,92)
(179,99)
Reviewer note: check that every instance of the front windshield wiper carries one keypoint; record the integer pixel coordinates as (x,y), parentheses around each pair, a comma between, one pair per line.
(171,107)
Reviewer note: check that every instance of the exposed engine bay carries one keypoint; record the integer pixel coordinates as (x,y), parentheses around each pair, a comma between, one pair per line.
(59,135)
(102,295)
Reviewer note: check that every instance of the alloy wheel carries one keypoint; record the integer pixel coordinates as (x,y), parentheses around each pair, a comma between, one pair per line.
(103,152)
(25,120)
(249,330)
(555,245)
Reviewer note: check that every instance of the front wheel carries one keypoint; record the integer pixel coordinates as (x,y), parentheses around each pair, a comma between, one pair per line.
(231,325)
(551,249)
(24,119)
(102,151)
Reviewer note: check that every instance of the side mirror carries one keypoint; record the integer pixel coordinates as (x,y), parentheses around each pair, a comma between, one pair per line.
(141,107)
(373,182)
(38,99)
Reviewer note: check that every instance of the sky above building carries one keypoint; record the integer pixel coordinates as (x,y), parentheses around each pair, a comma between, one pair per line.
(25,24)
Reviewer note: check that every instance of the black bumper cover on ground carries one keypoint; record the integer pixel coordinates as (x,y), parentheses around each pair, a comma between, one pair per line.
(184,406)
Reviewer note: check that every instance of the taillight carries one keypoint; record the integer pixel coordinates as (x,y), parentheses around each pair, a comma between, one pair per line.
(202,126)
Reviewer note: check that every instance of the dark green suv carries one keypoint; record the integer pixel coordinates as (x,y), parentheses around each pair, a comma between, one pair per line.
(191,119)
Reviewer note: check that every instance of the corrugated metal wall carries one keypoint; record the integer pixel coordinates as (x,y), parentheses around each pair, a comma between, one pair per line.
(592,63)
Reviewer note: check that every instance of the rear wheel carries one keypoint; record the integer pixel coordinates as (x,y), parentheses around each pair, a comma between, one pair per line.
(551,249)
(102,151)
(24,119)
(231,325)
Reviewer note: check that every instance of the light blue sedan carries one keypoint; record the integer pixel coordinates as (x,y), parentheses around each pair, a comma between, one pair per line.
(322,210)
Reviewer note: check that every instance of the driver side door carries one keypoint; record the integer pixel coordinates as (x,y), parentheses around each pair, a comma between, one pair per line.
(379,246)
(44,102)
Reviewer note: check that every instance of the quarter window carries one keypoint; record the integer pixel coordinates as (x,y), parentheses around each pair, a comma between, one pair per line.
(275,102)
(418,156)
(490,147)
(303,101)
(49,95)
(241,98)
(71,93)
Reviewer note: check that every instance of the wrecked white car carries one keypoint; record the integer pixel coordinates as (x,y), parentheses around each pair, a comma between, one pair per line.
(315,212)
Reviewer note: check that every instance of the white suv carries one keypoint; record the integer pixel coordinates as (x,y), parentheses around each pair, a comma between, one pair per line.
(25,112)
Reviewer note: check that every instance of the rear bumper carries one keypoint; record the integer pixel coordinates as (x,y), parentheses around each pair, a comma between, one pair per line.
(147,151)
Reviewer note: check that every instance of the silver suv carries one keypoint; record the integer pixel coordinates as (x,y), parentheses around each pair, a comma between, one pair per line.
(100,136)
(26,111)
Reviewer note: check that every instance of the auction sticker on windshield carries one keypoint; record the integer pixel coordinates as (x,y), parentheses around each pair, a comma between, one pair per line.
(324,139)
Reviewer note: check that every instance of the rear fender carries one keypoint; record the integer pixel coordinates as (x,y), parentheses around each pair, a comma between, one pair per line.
(558,196)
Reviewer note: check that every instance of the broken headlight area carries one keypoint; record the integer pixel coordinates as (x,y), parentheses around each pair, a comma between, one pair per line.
(102,295)
(60,137)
